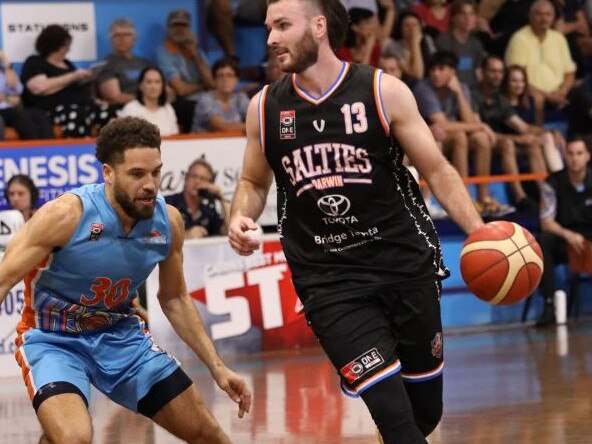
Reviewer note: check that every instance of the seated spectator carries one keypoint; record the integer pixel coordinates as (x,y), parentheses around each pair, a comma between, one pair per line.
(566,218)
(579,109)
(391,64)
(444,101)
(573,24)
(545,54)
(410,45)
(221,15)
(150,103)
(272,73)
(200,201)
(118,80)
(530,109)
(52,83)
(499,20)
(434,14)
(29,123)
(221,109)
(361,43)
(460,39)
(22,195)
(512,133)
(184,65)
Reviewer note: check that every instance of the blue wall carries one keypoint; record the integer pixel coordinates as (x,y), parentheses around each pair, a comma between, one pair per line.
(149,16)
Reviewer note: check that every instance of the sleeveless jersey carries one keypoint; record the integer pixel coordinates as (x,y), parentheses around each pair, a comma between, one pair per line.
(350,215)
(91,282)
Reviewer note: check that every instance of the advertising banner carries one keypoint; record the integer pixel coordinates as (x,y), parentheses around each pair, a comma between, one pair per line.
(248,304)
(10,315)
(58,168)
(22,23)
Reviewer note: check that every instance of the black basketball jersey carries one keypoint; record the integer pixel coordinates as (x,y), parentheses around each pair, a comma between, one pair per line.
(350,215)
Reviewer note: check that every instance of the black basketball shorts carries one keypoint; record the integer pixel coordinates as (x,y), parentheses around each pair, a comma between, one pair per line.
(380,334)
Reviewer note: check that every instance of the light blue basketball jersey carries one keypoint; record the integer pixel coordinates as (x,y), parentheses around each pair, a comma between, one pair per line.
(91,282)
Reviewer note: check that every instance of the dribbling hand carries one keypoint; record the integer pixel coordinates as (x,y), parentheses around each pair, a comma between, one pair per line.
(240,241)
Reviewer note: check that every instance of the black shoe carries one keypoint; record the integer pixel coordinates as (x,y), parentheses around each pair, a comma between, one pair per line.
(547,318)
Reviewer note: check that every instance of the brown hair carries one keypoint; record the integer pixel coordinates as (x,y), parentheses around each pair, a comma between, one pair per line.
(123,134)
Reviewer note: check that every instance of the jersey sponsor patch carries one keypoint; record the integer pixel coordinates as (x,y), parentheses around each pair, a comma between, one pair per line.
(357,368)
(437,346)
(287,124)
(96,229)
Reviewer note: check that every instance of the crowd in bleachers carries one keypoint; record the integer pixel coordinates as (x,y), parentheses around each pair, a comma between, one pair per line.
(493,80)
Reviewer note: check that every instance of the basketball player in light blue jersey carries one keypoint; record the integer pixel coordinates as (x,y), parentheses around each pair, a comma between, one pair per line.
(83,257)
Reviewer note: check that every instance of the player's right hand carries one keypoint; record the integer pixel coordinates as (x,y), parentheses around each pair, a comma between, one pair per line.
(240,242)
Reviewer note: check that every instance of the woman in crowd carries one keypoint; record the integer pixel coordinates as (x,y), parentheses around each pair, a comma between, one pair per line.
(151,104)
(410,45)
(22,194)
(29,123)
(54,84)
(530,109)
(362,44)
(221,109)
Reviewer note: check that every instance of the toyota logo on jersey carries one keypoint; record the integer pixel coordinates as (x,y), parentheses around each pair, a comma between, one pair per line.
(334,205)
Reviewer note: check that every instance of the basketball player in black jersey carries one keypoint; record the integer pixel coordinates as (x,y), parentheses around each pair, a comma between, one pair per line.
(365,258)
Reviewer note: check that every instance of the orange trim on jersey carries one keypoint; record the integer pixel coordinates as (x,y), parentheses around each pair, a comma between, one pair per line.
(28,314)
(261,115)
(378,99)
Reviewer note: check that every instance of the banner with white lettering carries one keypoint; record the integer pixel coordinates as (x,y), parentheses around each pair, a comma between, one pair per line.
(248,304)
(58,168)
(22,23)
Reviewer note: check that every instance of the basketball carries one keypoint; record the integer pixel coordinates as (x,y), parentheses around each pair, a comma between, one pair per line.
(501,263)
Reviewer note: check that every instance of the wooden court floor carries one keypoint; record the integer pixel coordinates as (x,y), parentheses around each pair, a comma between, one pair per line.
(519,386)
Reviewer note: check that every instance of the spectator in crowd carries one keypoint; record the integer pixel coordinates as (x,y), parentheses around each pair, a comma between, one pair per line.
(361,42)
(385,14)
(461,40)
(391,64)
(545,54)
(221,16)
(117,81)
(221,109)
(495,110)
(410,45)
(201,203)
(52,83)
(29,123)
(566,218)
(435,15)
(499,20)
(22,195)
(272,73)
(150,103)
(579,110)
(444,101)
(184,65)
(530,109)
(573,23)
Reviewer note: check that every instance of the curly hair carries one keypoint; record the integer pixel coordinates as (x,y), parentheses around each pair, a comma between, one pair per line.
(51,39)
(123,134)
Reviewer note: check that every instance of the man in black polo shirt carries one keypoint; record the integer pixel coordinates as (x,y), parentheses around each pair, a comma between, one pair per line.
(201,203)
(566,217)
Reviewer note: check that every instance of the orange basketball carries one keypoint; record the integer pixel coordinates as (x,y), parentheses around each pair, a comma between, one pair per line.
(501,262)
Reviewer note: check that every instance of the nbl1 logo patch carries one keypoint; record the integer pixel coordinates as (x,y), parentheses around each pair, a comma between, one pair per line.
(288,124)
(361,365)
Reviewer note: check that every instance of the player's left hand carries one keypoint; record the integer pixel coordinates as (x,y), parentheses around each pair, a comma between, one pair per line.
(235,387)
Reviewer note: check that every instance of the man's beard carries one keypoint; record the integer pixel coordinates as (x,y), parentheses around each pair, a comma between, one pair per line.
(306,54)
(129,207)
